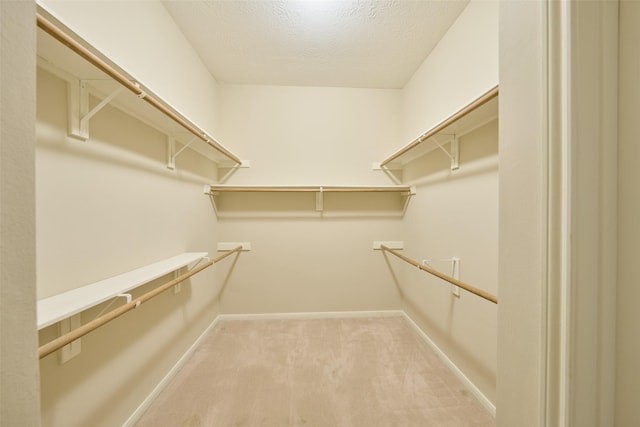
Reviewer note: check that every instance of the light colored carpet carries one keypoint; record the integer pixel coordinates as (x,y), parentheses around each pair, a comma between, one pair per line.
(315,373)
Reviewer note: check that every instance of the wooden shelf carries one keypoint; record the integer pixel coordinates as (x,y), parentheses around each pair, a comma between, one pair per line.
(245,200)
(88,72)
(308,189)
(66,304)
(476,114)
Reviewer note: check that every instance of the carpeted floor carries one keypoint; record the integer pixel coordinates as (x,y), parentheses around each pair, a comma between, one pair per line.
(315,373)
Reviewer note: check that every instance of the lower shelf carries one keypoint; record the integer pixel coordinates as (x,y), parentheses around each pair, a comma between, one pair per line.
(66,304)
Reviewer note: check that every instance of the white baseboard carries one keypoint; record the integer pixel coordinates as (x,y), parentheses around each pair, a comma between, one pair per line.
(314,315)
(484,401)
(140,410)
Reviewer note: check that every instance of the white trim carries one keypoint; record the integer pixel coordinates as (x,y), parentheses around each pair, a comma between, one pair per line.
(484,400)
(581,330)
(314,315)
(146,403)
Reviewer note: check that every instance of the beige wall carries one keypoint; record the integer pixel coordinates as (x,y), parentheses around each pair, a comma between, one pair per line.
(19,399)
(148,46)
(109,205)
(73,393)
(104,207)
(628,317)
(455,213)
(459,69)
(301,261)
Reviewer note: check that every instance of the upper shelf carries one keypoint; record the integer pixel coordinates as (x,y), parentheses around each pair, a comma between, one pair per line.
(66,304)
(65,54)
(244,200)
(474,115)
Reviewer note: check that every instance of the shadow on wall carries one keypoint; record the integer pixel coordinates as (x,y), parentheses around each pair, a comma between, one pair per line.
(303,205)
(130,144)
(120,339)
(420,317)
(227,277)
(441,335)
(104,345)
(478,154)
(392,272)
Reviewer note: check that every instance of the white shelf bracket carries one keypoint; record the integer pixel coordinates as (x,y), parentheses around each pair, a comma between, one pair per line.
(320,200)
(78,112)
(411,192)
(74,348)
(229,165)
(227,246)
(453,154)
(171,150)
(395,244)
(84,119)
(127,296)
(407,196)
(455,273)
(78,107)
(178,286)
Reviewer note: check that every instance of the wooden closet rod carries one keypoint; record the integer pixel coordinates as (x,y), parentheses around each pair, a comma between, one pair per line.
(69,337)
(465,286)
(486,97)
(85,53)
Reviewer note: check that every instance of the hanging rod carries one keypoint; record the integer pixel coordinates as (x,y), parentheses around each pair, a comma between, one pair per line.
(69,337)
(310,189)
(465,286)
(483,99)
(92,58)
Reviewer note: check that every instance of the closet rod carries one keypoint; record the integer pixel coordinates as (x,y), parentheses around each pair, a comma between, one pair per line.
(328,189)
(69,337)
(85,53)
(483,99)
(465,286)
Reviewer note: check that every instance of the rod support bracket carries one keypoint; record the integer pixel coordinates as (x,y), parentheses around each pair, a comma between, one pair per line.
(172,154)
(127,296)
(455,153)
(320,200)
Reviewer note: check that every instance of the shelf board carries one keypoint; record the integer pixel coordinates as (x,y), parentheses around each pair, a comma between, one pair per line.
(55,57)
(476,114)
(66,304)
(309,200)
(309,189)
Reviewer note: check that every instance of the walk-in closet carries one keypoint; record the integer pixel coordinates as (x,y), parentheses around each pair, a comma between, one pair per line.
(319,213)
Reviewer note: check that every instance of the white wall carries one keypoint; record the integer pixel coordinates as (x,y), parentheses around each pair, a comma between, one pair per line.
(628,317)
(310,136)
(19,399)
(455,213)
(109,205)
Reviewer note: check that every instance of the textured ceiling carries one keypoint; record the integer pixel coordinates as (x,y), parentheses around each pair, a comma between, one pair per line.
(342,43)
